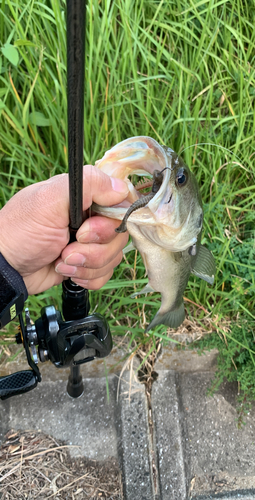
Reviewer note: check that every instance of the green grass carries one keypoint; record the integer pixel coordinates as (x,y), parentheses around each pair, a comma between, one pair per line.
(181,72)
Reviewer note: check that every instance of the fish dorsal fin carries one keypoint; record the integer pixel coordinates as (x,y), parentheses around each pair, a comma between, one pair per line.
(204,266)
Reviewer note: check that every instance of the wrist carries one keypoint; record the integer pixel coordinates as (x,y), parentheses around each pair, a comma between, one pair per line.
(7,256)
(13,292)
(5,241)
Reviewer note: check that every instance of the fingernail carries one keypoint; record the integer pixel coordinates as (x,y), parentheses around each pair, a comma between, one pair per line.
(119,186)
(83,283)
(75,259)
(65,270)
(88,237)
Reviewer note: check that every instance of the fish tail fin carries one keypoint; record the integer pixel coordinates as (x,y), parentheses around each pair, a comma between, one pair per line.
(173,319)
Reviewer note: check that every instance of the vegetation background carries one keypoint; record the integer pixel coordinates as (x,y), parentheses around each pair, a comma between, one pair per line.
(182,72)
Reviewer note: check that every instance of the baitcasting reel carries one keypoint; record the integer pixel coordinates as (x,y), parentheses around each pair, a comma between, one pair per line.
(69,342)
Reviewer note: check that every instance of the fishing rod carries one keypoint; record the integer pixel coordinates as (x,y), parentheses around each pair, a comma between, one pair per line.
(77,337)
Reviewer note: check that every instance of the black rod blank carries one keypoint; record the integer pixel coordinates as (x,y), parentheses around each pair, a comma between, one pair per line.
(75,298)
(76,12)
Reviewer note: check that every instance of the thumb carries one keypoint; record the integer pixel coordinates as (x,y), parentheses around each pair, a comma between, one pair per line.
(102,189)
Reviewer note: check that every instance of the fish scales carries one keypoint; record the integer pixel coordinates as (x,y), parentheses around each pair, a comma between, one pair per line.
(167,230)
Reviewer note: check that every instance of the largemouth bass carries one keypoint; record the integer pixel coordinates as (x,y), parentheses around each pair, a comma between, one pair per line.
(166,229)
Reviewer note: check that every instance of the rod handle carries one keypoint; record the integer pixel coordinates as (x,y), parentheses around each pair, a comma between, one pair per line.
(17,383)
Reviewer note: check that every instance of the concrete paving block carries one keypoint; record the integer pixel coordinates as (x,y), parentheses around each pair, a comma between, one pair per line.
(168,437)
(134,441)
(96,368)
(237,497)
(220,457)
(187,360)
(230,496)
(87,422)
(4,420)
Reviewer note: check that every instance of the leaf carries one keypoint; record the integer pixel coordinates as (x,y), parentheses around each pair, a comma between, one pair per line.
(39,119)
(11,53)
(22,43)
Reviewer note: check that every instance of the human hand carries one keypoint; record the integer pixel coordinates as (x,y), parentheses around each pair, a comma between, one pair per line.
(35,234)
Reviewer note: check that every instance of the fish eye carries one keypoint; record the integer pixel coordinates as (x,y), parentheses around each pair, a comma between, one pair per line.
(181,178)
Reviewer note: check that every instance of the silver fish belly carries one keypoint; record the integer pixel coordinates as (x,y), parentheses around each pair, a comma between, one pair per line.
(168,274)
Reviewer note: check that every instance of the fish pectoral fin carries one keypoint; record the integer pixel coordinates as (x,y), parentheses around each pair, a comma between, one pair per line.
(146,289)
(128,248)
(173,319)
(204,266)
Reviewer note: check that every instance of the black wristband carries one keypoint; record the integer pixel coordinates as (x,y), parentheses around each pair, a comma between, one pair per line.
(13,292)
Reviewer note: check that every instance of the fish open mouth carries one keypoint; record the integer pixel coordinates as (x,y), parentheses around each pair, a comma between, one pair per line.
(144,185)
(137,156)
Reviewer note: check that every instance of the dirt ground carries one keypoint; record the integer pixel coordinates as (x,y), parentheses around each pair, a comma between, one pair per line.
(35,466)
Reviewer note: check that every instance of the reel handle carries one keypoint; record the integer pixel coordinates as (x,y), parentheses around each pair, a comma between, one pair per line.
(17,383)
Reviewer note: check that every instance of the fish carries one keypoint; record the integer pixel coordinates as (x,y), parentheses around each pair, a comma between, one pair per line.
(166,226)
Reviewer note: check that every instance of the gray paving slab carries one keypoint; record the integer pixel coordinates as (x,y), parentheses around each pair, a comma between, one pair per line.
(4,419)
(135,442)
(168,437)
(220,457)
(98,368)
(229,496)
(237,496)
(201,453)
(87,423)
(188,360)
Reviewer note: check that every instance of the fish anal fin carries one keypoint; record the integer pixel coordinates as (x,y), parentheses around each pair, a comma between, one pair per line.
(173,319)
(204,266)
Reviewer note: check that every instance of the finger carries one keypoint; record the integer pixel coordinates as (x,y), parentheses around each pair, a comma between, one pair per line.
(97,229)
(95,284)
(85,273)
(93,255)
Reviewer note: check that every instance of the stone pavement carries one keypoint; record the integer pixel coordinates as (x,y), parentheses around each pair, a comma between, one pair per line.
(174,444)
